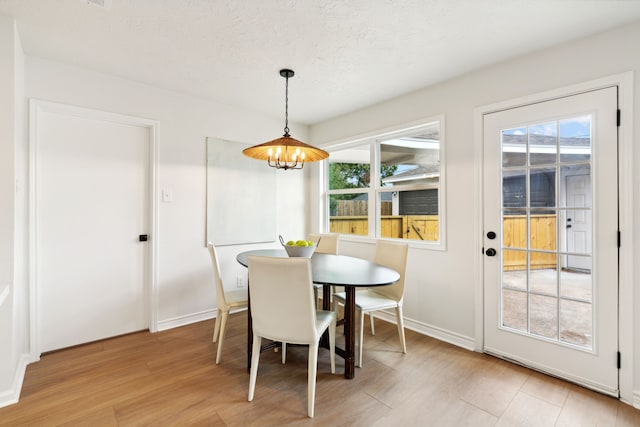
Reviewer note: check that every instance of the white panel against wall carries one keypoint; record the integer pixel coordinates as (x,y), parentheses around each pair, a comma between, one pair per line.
(241,196)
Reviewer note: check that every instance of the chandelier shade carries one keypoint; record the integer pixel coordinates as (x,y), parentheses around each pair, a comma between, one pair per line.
(288,146)
(286,152)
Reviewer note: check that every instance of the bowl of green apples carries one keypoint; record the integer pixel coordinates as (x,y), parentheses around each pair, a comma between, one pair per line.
(298,248)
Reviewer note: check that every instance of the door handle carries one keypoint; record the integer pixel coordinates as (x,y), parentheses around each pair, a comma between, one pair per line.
(490,252)
(143,237)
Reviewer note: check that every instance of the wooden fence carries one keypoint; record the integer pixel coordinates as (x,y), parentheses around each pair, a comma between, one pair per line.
(425,227)
(543,237)
(359,208)
(414,227)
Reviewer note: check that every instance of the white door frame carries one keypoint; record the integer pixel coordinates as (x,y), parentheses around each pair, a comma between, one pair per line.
(624,81)
(37,107)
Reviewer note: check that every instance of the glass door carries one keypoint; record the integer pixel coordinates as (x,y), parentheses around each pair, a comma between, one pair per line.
(550,223)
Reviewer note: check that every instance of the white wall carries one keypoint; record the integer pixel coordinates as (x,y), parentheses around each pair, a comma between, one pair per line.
(7,134)
(13,286)
(441,286)
(21,334)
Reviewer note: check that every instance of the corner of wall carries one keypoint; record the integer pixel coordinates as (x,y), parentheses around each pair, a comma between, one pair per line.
(11,396)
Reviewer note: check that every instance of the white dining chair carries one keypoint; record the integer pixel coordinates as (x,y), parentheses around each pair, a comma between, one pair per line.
(393,255)
(283,309)
(227,300)
(328,243)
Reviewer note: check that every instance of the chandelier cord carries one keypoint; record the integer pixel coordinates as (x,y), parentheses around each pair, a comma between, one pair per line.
(286,107)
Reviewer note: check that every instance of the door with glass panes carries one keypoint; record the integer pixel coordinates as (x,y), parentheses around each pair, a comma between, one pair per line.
(550,237)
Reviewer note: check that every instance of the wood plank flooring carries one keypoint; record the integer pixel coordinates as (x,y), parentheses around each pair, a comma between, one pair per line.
(170,379)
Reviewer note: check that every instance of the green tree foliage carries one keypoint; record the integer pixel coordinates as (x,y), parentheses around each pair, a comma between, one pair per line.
(387,170)
(355,175)
(352,175)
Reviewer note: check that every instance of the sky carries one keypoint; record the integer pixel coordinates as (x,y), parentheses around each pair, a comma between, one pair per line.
(575,127)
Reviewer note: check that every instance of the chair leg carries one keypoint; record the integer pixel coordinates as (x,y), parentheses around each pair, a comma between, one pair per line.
(400,322)
(332,345)
(373,329)
(311,378)
(360,338)
(335,305)
(255,359)
(284,352)
(216,328)
(223,327)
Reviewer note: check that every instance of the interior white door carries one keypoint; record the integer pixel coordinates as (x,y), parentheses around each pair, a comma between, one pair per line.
(549,165)
(91,205)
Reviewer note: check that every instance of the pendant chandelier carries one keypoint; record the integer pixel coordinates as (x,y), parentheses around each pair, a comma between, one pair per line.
(286,152)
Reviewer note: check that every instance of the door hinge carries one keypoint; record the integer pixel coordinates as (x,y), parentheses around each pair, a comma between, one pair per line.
(619,238)
(619,361)
(618,117)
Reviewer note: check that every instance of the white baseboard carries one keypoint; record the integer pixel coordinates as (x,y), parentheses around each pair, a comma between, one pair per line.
(636,399)
(11,396)
(465,342)
(459,340)
(176,322)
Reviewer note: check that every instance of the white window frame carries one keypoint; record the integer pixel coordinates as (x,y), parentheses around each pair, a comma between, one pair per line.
(374,139)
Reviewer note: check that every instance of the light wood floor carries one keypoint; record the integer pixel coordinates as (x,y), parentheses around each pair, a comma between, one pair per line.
(170,378)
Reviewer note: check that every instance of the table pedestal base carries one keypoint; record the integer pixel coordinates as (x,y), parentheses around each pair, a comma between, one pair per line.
(349,328)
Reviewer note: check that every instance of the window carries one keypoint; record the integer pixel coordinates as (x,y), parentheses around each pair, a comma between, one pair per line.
(400,197)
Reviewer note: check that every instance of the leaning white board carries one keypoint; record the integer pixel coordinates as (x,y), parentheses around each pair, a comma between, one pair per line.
(241,196)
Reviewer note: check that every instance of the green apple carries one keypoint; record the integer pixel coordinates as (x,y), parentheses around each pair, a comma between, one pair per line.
(291,243)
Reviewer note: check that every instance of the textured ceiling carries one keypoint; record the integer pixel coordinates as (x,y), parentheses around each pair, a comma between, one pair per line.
(347,54)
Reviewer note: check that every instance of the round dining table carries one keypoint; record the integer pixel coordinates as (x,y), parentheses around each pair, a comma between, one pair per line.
(332,270)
